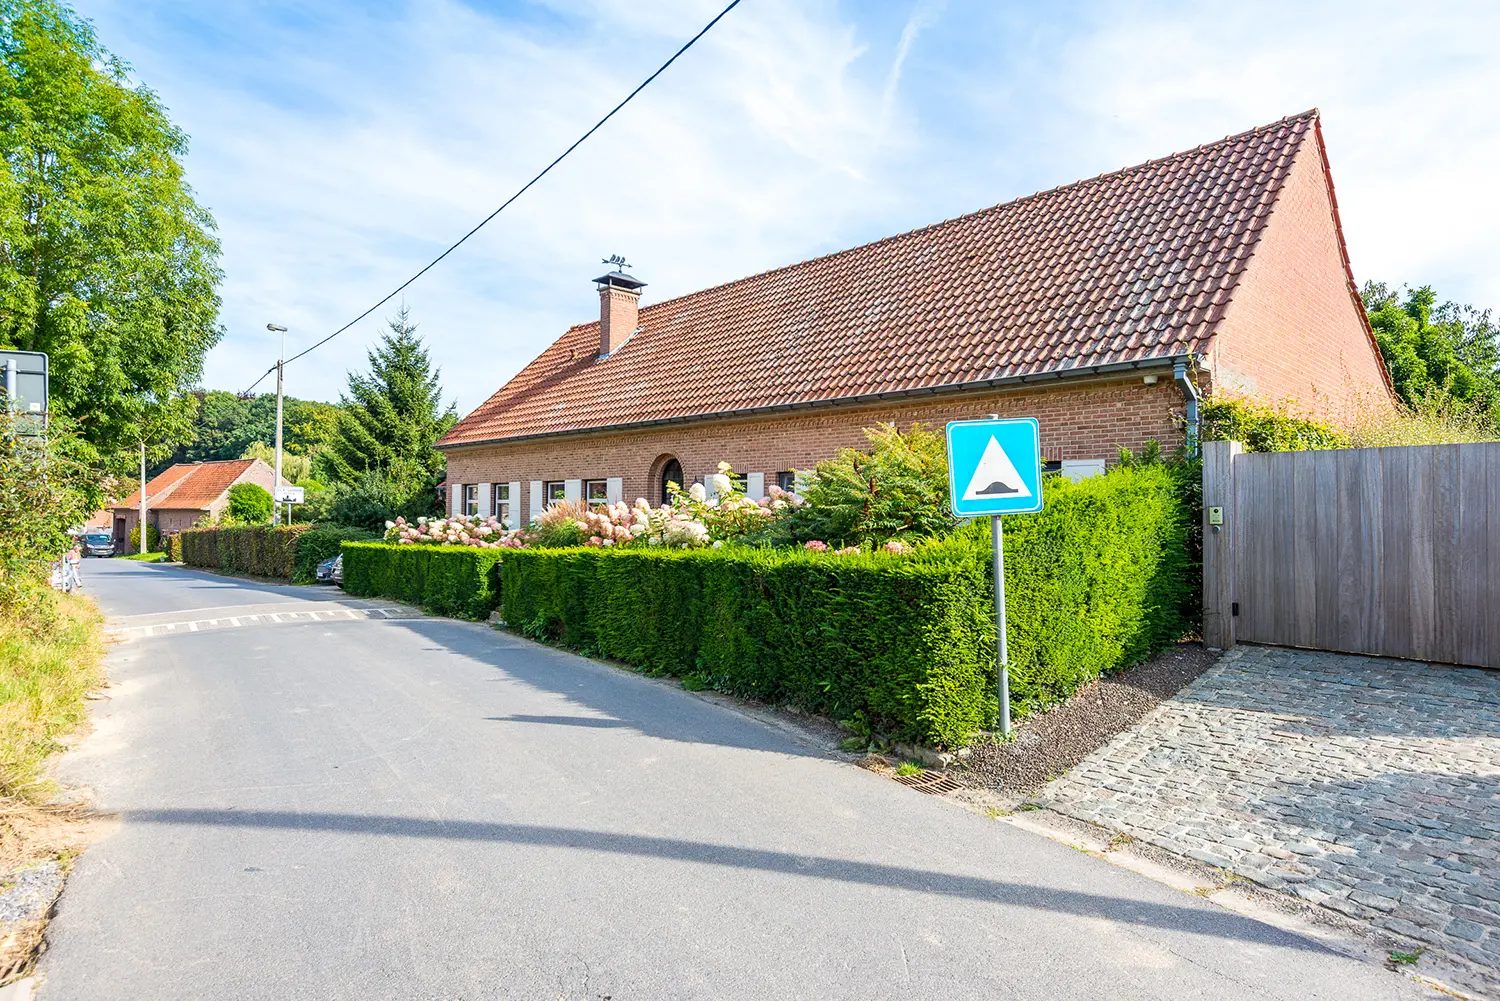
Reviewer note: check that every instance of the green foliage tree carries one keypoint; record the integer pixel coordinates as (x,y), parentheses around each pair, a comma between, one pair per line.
(1448,351)
(898,487)
(153,539)
(107,262)
(387,424)
(249,504)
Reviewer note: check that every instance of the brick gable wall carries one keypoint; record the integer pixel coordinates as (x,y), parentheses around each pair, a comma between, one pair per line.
(1088,420)
(1291,330)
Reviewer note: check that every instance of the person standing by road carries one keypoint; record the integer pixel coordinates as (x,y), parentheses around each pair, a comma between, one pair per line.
(72,580)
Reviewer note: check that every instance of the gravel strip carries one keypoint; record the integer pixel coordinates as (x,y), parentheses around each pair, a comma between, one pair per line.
(1051,742)
(28,894)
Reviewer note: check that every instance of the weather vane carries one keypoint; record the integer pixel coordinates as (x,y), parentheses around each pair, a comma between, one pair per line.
(618,260)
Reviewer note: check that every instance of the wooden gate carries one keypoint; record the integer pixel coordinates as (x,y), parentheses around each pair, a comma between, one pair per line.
(1386,551)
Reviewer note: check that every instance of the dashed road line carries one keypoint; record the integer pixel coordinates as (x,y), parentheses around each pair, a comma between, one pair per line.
(126,633)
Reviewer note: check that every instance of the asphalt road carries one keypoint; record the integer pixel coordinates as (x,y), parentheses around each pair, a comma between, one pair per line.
(429,809)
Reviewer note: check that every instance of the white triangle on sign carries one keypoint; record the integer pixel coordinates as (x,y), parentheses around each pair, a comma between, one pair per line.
(996,476)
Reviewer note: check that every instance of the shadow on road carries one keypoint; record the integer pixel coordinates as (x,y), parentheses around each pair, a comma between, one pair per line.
(1204,920)
(614,698)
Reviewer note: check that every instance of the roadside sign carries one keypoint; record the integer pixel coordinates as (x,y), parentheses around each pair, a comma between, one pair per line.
(289,495)
(25,385)
(994,467)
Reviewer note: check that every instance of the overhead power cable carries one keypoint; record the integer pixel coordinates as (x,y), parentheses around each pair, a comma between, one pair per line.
(523,189)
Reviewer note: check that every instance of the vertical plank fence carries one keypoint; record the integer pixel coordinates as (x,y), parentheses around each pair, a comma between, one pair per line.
(1393,552)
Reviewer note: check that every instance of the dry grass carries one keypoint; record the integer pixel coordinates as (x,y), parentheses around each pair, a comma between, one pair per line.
(1431,422)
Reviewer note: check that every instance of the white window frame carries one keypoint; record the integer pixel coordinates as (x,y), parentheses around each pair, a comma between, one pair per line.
(602,486)
(470,499)
(501,502)
(554,491)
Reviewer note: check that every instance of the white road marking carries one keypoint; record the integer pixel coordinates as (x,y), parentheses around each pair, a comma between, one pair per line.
(267,618)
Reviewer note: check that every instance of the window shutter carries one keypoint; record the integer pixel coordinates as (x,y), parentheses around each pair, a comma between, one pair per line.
(455,499)
(538,502)
(515,520)
(755,485)
(486,500)
(573,490)
(616,491)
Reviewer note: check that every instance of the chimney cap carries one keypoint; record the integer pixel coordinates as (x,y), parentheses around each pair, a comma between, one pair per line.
(619,279)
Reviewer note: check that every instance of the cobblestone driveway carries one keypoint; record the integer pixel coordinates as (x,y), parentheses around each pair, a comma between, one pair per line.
(1370,786)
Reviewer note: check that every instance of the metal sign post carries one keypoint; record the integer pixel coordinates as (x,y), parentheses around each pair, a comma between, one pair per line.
(995,469)
(1002,654)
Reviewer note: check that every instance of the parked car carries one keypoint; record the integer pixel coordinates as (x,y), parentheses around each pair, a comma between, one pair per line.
(331,570)
(98,544)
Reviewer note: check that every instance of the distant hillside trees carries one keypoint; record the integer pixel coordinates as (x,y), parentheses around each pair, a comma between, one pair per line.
(107,262)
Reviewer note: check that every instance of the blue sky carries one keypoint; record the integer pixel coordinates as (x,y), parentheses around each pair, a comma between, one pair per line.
(340,145)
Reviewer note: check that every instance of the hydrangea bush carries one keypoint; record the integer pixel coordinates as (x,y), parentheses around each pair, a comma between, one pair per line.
(692,520)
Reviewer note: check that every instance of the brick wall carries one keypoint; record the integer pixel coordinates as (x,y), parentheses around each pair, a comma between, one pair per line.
(1291,329)
(1084,420)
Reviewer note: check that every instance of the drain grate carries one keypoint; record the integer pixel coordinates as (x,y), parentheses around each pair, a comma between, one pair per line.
(930,782)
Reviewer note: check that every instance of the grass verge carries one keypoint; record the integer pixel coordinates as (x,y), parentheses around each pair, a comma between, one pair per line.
(144,557)
(50,656)
(51,653)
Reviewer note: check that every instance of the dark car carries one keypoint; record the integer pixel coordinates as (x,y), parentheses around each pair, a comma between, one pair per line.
(98,544)
(331,570)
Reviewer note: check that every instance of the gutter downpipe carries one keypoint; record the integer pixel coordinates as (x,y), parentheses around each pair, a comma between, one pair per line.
(1190,396)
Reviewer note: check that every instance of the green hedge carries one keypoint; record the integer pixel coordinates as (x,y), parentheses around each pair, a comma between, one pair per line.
(444,580)
(1096,581)
(900,639)
(258,550)
(319,543)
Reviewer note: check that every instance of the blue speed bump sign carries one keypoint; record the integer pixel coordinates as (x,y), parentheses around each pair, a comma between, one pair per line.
(994,467)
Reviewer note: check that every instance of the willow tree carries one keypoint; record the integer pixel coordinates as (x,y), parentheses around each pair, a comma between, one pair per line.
(107,262)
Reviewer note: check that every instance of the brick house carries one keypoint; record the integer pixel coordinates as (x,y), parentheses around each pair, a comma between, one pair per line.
(1103,308)
(180,495)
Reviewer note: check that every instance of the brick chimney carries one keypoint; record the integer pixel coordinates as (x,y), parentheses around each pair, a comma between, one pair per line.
(619,308)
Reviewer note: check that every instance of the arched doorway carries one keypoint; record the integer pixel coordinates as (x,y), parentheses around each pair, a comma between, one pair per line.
(670,471)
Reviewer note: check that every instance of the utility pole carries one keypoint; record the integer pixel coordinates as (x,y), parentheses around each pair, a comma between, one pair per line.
(143,497)
(276,492)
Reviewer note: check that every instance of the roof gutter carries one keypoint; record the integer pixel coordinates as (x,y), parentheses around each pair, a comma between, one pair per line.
(1190,397)
(1007,382)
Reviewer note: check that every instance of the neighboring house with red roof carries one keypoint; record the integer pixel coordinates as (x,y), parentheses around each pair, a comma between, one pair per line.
(1098,307)
(181,495)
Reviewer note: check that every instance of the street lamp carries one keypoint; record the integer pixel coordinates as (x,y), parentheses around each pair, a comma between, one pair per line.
(280,355)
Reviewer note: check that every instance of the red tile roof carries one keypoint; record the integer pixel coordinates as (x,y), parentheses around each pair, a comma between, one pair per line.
(190,486)
(1125,267)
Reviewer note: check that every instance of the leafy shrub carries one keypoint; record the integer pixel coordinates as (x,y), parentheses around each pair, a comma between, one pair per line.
(1263,428)
(375,498)
(899,486)
(1097,580)
(45,486)
(249,504)
(258,550)
(319,543)
(444,580)
(174,547)
(153,539)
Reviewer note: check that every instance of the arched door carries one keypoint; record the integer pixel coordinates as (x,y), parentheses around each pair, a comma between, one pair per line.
(671,472)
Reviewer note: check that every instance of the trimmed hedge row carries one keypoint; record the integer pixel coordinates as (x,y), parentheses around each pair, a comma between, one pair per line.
(318,544)
(1095,582)
(259,550)
(901,640)
(291,552)
(444,580)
